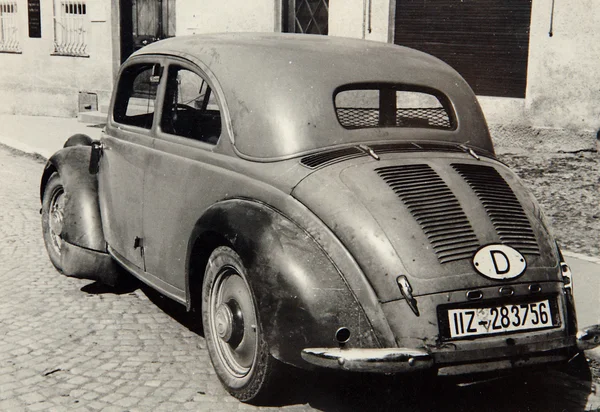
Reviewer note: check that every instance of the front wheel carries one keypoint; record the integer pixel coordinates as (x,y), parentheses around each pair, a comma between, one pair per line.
(235,341)
(53,210)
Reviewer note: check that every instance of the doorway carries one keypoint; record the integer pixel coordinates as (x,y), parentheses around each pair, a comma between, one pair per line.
(144,22)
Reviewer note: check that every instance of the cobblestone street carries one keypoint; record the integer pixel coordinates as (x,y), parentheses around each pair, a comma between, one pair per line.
(65,343)
(71,344)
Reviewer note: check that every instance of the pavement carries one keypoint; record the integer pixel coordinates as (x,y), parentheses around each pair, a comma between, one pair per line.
(40,134)
(71,344)
(586,287)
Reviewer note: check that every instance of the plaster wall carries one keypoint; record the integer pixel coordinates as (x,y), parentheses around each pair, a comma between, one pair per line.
(215,16)
(373,20)
(361,19)
(504,110)
(35,82)
(563,84)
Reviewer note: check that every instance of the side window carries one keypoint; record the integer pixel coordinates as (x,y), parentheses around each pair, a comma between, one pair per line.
(190,108)
(136,95)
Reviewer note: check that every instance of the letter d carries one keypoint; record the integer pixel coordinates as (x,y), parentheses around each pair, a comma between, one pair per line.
(500,260)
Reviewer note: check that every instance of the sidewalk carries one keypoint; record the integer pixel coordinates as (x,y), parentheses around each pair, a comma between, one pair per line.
(586,287)
(41,135)
(45,135)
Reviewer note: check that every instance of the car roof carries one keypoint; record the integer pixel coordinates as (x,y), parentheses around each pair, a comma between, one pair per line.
(279,88)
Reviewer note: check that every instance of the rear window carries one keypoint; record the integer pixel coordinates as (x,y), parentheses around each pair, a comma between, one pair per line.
(392,105)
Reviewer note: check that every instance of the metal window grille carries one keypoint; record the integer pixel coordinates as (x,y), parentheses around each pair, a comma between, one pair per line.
(9,27)
(359,117)
(386,107)
(306,16)
(71,25)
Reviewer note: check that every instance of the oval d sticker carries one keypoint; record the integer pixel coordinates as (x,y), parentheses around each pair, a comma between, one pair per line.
(499,262)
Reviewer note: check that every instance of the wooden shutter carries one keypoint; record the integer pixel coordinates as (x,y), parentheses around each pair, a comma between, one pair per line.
(486,41)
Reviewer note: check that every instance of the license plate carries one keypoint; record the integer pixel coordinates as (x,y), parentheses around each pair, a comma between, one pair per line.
(499,319)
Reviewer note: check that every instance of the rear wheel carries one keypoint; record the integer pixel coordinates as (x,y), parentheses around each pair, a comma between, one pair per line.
(578,367)
(237,348)
(53,208)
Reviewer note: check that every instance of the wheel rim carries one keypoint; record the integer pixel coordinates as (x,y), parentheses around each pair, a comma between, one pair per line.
(56,218)
(233,321)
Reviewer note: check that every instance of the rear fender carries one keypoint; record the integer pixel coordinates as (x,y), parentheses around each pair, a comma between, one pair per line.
(301,297)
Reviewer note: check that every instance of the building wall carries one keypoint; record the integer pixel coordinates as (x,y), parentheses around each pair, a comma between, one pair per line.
(215,16)
(362,19)
(38,83)
(562,82)
(563,88)
(354,18)
(563,72)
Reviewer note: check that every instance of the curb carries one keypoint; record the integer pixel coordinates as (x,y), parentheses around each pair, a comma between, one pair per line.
(22,150)
(591,259)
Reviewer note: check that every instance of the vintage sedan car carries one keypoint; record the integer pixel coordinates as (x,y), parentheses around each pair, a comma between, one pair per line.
(323,202)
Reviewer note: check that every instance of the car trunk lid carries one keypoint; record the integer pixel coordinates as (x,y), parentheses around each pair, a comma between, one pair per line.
(425,215)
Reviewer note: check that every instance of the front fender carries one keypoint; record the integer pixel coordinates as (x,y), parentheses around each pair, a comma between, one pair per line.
(82,224)
(301,296)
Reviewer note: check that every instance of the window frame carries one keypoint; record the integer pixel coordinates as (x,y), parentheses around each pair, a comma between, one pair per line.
(445,102)
(288,17)
(173,138)
(144,60)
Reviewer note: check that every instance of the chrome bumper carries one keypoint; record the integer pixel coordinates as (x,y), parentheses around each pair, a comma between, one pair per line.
(392,360)
(402,360)
(588,338)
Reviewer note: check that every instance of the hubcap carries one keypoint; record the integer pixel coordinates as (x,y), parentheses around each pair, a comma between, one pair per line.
(233,322)
(224,322)
(56,218)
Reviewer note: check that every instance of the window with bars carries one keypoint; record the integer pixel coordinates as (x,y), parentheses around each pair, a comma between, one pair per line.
(9,27)
(306,16)
(71,26)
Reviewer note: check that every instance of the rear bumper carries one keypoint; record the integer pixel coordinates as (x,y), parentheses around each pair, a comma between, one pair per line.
(588,338)
(453,363)
(392,360)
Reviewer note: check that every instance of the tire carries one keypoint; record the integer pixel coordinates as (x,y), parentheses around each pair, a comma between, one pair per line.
(578,367)
(53,203)
(236,345)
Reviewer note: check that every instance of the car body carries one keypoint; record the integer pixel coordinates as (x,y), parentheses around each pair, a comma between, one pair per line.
(324,202)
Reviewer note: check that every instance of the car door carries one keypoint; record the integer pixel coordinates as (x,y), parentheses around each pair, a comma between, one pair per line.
(127,143)
(182,175)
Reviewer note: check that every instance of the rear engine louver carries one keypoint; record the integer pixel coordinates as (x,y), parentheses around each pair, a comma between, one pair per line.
(331,156)
(502,206)
(381,148)
(436,209)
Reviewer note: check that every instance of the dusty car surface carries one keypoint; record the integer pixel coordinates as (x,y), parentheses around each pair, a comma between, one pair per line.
(322,202)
